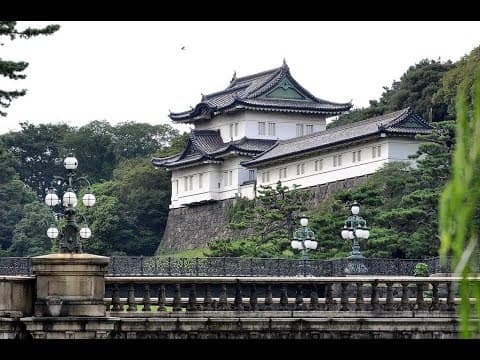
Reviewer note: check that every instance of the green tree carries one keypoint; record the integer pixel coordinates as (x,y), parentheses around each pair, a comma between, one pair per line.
(13,69)
(139,139)
(37,149)
(271,216)
(462,72)
(30,234)
(13,197)
(416,88)
(92,145)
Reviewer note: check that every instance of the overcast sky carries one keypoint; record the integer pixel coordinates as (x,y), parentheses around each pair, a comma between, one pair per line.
(137,71)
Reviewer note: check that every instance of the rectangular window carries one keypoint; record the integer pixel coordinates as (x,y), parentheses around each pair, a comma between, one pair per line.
(300,169)
(379,150)
(337,160)
(230,132)
(318,165)
(265,176)
(225,178)
(299,129)
(309,129)
(261,128)
(354,156)
(251,175)
(236,129)
(271,129)
(230,177)
(282,174)
(359,155)
(176,185)
(185,183)
(200,181)
(191,182)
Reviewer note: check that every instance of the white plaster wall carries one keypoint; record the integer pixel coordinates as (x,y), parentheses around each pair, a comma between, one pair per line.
(391,150)
(285,127)
(214,188)
(400,149)
(213,183)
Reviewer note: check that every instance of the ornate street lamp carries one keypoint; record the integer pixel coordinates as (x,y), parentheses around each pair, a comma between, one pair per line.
(304,239)
(71,231)
(355,228)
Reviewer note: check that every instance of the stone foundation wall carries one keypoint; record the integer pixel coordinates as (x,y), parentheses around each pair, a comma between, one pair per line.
(192,228)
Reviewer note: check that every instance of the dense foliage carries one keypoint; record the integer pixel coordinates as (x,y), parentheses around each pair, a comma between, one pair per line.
(416,88)
(132,196)
(14,69)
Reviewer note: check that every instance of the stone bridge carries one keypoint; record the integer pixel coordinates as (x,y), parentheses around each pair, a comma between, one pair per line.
(70,297)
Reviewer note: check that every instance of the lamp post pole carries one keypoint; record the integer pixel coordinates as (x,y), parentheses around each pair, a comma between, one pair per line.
(355,228)
(71,232)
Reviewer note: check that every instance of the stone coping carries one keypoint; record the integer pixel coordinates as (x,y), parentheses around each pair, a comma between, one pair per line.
(274,279)
(61,259)
(17,277)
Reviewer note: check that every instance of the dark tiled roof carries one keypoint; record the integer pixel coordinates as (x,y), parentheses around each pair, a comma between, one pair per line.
(244,93)
(399,122)
(208,145)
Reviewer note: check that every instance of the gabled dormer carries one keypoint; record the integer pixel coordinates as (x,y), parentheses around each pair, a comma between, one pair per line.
(269,91)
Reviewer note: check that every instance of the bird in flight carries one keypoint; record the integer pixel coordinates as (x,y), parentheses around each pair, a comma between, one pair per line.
(183,47)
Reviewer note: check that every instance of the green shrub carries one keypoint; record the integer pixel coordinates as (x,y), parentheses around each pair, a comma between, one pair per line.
(421,269)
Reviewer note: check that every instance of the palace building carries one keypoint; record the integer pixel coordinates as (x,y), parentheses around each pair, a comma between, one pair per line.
(266,127)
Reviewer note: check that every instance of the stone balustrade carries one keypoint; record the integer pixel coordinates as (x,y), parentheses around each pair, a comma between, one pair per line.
(342,294)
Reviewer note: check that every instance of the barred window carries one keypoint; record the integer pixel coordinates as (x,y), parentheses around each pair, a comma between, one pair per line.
(309,129)
(318,165)
(271,129)
(299,129)
(261,128)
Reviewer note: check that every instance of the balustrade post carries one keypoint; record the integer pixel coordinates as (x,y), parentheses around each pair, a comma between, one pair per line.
(420,302)
(374,297)
(224,267)
(314,298)
(116,306)
(177,298)
(131,298)
(268,298)
(192,299)
(329,297)
(238,302)
(284,298)
(344,296)
(253,297)
(404,302)
(435,299)
(207,301)
(196,266)
(299,305)
(359,297)
(222,300)
(146,298)
(141,265)
(389,300)
(169,267)
(450,297)
(161,298)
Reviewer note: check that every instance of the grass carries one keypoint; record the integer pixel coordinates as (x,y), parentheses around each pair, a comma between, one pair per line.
(193,253)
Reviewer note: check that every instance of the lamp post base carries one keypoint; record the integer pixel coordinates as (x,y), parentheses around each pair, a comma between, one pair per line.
(355,266)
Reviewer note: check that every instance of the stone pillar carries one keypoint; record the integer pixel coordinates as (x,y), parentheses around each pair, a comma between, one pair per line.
(70,284)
